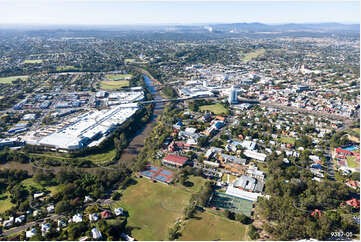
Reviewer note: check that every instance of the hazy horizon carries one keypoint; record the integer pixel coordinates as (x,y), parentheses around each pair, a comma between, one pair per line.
(112,13)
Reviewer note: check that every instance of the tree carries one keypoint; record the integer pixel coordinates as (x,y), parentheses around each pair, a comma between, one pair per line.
(189,211)
(252,232)
(62,207)
(242,218)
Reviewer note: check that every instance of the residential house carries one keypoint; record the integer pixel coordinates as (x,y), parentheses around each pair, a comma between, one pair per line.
(77,218)
(30,233)
(96,234)
(126,237)
(9,222)
(93,217)
(50,208)
(20,219)
(106,214)
(45,228)
(118,211)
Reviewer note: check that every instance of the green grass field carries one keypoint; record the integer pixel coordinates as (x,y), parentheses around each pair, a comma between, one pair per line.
(10,79)
(152,207)
(96,158)
(287,140)
(212,227)
(30,182)
(225,177)
(215,108)
(5,203)
(32,61)
(253,54)
(113,77)
(352,163)
(113,85)
(102,157)
(66,68)
(129,60)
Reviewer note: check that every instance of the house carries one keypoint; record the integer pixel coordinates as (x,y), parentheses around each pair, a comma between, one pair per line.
(36,213)
(354,203)
(178,125)
(353,184)
(93,217)
(61,223)
(126,237)
(173,160)
(38,195)
(118,211)
(30,233)
(9,222)
(45,228)
(96,234)
(50,208)
(88,199)
(20,219)
(106,214)
(77,218)
(316,166)
(206,117)
(212,151)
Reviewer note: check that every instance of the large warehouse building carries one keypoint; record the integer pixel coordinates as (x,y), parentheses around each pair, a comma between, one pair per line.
(88,128)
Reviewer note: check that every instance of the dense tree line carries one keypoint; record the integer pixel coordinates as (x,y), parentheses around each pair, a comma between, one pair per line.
(290,188)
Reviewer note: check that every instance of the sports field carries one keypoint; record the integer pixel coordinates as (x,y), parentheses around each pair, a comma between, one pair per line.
(211,227)
(152,207)
(287,140)
(9,79)
(32,61)
(253,54)
(66,68)
(237,205)
(113,85)
(113,77)
(215,108)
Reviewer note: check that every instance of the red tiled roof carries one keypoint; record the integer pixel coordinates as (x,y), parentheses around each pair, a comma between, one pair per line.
(175,159)
(338,150)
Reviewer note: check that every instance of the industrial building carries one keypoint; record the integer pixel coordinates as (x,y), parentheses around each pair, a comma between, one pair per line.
(87,128)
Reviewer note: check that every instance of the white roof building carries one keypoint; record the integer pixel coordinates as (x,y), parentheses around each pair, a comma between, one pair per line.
(118,211)
(77,218)
(30,233)
(93,217)
(255,155)
(96,233)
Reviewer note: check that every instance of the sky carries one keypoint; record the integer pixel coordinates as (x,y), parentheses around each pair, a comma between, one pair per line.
(116,12)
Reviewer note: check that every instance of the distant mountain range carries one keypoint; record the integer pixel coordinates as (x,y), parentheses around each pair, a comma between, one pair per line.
(259,27)
(199,28)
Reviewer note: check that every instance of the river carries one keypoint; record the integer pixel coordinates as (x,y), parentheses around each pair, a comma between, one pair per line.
(137,142)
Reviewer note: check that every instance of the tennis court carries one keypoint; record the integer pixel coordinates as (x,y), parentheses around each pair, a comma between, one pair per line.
(157,174)
(238,205)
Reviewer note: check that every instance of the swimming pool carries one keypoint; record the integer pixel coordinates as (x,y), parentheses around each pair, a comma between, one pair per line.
(350,148)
